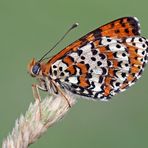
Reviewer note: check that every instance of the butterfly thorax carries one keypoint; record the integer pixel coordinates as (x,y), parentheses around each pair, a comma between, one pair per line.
(40,71)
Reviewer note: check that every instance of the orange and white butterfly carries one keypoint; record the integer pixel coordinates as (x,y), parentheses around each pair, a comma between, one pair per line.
(99,65)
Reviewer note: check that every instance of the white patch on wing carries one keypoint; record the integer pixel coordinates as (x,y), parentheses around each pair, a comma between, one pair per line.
(106,41)
(73,80)
(117,47)
(97,71)
(97,87)
(86,47)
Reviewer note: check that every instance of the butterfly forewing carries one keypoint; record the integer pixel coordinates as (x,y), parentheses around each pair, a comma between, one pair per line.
(103,62)
(120,28)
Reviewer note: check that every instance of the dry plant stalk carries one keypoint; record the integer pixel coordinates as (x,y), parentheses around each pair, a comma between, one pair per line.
(30,127)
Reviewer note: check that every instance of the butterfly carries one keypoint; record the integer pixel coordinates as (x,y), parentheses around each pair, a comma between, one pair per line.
(99,65)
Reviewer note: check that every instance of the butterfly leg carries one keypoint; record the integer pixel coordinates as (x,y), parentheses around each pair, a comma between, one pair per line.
(36,95)
(64,96)
(62,93)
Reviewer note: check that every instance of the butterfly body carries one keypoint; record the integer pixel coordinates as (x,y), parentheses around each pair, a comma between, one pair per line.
(99,65)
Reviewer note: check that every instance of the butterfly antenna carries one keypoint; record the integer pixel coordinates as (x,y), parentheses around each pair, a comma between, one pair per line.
(72,27)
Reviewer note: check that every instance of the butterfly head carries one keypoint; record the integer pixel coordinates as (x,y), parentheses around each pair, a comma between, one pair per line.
(34,68)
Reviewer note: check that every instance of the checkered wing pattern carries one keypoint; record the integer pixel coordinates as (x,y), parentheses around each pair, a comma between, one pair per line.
(104,62)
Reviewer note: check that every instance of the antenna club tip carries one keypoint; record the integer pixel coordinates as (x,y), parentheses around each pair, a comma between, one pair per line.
(75,25)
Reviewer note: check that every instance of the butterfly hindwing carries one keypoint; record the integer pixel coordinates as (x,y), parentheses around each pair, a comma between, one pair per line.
(102,63)
(102,70)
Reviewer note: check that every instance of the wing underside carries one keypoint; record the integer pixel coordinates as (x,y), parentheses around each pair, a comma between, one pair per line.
(102,71)
(104,62)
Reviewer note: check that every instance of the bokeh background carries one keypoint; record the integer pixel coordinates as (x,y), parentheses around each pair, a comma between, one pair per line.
(28,28)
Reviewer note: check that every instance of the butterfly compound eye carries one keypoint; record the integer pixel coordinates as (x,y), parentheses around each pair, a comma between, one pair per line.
(36,69)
